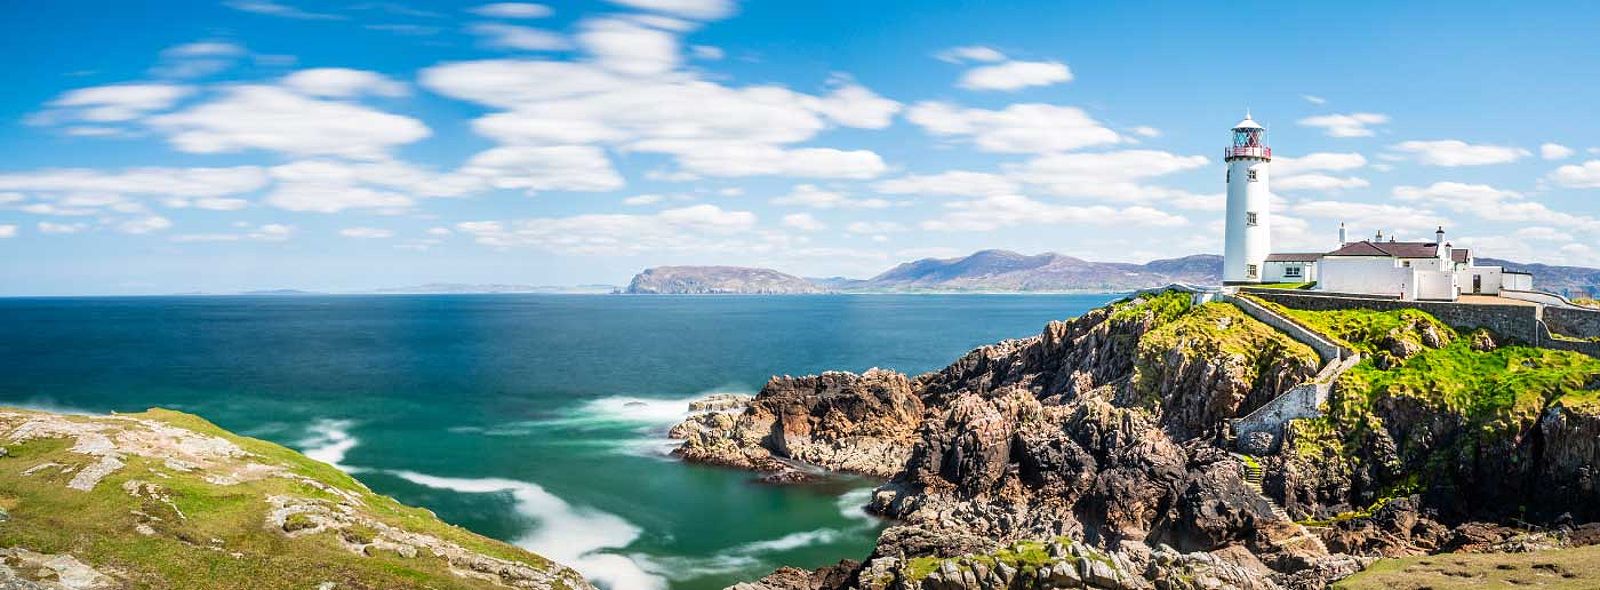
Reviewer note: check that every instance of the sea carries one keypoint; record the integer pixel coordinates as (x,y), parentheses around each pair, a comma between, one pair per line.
(540,420)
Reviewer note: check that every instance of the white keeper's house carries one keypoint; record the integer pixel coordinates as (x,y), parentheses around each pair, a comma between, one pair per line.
(1412,270)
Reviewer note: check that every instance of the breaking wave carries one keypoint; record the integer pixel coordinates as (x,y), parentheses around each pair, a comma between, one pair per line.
(328,440)
(571,535)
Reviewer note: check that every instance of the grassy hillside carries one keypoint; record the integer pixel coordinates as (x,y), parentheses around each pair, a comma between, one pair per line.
(162,499)
(1564,569)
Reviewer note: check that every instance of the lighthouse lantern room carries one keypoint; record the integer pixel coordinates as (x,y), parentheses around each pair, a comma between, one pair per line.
(1249,223)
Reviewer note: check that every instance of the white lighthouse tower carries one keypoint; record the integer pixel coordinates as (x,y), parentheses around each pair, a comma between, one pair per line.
(1249,227)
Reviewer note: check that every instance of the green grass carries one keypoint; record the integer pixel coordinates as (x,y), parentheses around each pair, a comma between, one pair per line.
(1562,569)
(1286,285)
(1213,331)
(99,527)
(1161,308)
(1025,556)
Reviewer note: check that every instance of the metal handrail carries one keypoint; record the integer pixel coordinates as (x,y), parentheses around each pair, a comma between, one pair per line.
(1247,151)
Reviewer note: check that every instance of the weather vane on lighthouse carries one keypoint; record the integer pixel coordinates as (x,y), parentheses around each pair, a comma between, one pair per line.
(1248,238)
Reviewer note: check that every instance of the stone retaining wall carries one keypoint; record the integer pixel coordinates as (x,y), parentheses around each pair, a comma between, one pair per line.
(1518,323)
(1577,323)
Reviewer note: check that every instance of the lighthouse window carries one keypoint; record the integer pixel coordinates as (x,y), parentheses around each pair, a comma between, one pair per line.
(1229,176)
(1252,176)
(1250,218)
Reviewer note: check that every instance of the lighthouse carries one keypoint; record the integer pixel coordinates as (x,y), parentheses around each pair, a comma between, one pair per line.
(1249,224)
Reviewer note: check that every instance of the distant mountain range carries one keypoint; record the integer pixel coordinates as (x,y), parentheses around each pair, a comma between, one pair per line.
(1006,271)
(988,270)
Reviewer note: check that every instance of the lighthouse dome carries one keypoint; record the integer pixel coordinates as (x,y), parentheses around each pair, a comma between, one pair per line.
(1248,123)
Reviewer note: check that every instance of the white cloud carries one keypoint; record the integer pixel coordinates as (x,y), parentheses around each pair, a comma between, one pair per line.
(1493,204)
(695,9)
(998,211)
(737,159)
(1389,218)
(271,118)
(959,183)
(628,47)
(8,230)
(270,8)
(1545,234)
(536,169)
(115,103)
(706,52)
(46,227)
(1019,128)
(1016,75)
(696,228)
(1105,174)
(342,83)
(874,227)
(1303,173)
(144,225)
(172,182)
(200,58)
(1586,175)
(366,233)
(1319,182)
(512,10)
(1317,100)
(803,222)
(329,186)
(1454,152)
(270,232)
(1145,131)
(1555,151)
(970,53)
(1346,125)
(517,38)
(852,105)
(641,200)
(806,195)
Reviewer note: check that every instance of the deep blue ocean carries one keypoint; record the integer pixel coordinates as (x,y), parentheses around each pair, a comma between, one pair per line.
(538,419)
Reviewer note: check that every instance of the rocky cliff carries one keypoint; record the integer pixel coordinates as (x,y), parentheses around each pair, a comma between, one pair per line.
(1097,454)
(714,280)
(166,500)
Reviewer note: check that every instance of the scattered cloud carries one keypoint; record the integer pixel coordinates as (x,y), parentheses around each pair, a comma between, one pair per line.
(706,52)
(144,225)
(1145,131)
(1016,75)
(998,211)
(342,83)
(806,195)
(1316,100)
(1346,125)
(8,230)
(1454,152)
(1308,172)
(1019,128)
(47,227)
(1115,175)
(694,228)
(1389,218)
(1585,175)
(629,47)
(115,103)
(275,119)
(1490,203)
(960,183)
(197,59)
(544,168)
(366,233)
(269,232)
(1555,151)
(695,9)
(970,53)
(518,38)
(803,222)
(270,8)
(512,10)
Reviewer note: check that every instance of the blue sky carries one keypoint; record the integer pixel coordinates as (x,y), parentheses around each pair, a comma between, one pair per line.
(157,147)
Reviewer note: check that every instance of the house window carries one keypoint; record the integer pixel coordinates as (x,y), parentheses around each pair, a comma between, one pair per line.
(1250,218)
(1252,175)
(1250,271)
(1291,272)
(1406,264)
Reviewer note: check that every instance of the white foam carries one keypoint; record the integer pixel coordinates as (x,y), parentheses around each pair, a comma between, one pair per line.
(789,542)
(571,535)
(852,505)
(328,441)
(749,558)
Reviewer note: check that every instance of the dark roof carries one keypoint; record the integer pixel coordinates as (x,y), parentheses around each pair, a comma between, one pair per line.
(1397,250)
(1295,257)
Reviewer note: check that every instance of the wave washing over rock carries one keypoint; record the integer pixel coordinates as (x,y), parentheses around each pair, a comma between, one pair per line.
(1097,455)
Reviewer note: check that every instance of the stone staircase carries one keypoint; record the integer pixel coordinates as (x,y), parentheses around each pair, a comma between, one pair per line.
(1254,475)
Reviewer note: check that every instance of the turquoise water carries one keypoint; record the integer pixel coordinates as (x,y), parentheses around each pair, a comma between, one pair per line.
(536,419)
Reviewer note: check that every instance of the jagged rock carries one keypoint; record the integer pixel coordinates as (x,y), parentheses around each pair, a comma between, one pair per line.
(720,402)
(1483,341)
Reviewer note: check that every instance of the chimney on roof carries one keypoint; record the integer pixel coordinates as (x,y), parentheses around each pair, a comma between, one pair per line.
(1380,235)
(1343,237)
(1438,235)
(1442,248)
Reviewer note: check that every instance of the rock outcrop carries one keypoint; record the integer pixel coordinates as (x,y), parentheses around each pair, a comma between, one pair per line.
(718,280)
(1108,436)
